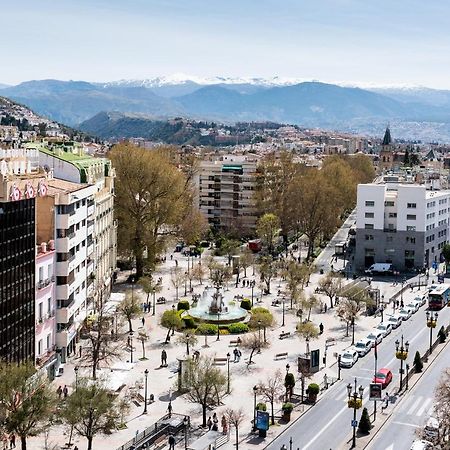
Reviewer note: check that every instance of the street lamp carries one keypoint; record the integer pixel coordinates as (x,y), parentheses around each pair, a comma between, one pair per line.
(355,402)
(228,370)
(131,345)
(252,285)
(255,390)
(145,391)
(401,353)
(185,282)
(283,301)
(382,311)
(186,426)
(401,292)
(76,377)
(218,327)
(132,287)
(431,323)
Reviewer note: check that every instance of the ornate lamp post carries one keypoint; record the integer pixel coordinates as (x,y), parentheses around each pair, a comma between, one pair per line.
(228,371)
(255,391)
(259,336)
(186,427)
(431,323)
(218,327)
(382,312)
(145,391)
(401,353)
(76,377)
(355,402)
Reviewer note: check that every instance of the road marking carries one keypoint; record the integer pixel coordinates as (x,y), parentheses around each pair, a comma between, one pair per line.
(407,424)
(414,406)
(423,407)
(391,447)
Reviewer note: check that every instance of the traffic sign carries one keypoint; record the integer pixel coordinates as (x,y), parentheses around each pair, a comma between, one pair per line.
(354,423)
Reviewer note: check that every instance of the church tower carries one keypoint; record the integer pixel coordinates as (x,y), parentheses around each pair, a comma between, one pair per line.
(387,151)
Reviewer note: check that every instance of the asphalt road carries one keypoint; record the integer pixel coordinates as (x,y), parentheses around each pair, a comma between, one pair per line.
(328,424)
(413,411)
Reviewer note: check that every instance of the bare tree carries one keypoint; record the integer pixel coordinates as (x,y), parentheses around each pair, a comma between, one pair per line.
(235,418)
(130,309)
(331,285)
(253,343)
(188,338)
(143,338)
(198,273)
(267,270)
(177,278)
(442,408)
(271,391)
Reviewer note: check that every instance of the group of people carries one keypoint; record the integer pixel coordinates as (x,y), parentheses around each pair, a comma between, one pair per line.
(62,391)
(213,424)
(9,441)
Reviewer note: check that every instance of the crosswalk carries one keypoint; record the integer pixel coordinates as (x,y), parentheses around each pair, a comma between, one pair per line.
(418,406)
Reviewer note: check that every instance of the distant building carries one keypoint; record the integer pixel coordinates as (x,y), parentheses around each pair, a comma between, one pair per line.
(387,151)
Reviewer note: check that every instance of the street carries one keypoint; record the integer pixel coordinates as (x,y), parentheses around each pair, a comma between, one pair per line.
(328,424)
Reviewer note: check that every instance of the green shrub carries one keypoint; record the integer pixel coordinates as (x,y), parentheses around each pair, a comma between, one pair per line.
(183,305)
(246,304)
(288,407)
(188,321)
(238,328)
(364,423)
(442,335)
(313,388)
(418,364)
(289,380)
(260,310)
(207,328)
(261,407)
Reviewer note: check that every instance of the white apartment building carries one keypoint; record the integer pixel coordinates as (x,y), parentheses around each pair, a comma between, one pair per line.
(403,224)
(225,192)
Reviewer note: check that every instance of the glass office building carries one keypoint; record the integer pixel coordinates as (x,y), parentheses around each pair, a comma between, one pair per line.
(17,284)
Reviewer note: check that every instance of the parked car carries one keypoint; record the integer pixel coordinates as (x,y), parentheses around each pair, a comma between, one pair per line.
(414,306)
(375,336)
(363,346)
(395,321)
(348,357)
(405,314)
(385,328)
(383,376)
(431,429)
(421,300)
(421,445)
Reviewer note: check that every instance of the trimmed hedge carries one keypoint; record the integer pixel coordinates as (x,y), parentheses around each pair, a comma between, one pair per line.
(188,322)
(246,304)
(313,388)
(207,328)
(261,407)
(238,328)
(183,305)
(260,309)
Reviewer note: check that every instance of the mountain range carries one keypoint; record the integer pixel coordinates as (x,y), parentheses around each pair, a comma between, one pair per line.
(419,112)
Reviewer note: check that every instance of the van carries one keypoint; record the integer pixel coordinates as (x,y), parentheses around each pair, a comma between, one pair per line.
(380,268)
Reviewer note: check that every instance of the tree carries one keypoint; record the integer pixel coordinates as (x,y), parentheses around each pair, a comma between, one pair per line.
(150,286)
(308,303)
(26,399)
(252,342)
(193,227)
(442,408)
(220,274)
(130,309)
(446,253)
(189,339)
(143,338)
(92,410)
(177,278)
(101,345)
(268,229)
(172,321)
(418,364)
(364,425)
(235,419)
(308,331)
(246,260)
(229,247)
(271,391)
(294,276)
(267,270)
(198,272)
(152,199)
(331,284)
(261,317)
(206,383)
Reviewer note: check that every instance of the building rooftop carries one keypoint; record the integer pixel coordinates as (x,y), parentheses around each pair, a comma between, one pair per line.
(56,186)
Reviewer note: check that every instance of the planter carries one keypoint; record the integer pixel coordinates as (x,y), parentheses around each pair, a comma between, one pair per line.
(312,397)
(286,416)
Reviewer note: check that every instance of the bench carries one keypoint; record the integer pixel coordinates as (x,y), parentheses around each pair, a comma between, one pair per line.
(159,443)
(329,342)
(220,361)
(281,355)
(161,301)
(285,335)
(234,343)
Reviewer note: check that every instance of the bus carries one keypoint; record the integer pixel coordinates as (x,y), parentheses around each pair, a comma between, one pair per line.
(438,297)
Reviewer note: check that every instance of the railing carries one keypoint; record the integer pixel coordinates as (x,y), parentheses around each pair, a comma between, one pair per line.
(221,440)
(43,283)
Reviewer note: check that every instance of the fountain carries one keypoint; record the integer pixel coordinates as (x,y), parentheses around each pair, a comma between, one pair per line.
(213,308)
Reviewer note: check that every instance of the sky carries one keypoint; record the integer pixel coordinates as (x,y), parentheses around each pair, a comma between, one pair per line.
(364,42)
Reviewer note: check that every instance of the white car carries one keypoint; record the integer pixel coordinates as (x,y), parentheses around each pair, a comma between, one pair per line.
(405,314)
(395,321)
(375,336)
(431,429)
(363,346)
(421,445)
(348,357)
(414,306)
(385,328)
(421,300)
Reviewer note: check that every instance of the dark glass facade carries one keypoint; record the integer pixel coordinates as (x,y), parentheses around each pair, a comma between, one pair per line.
(17,285)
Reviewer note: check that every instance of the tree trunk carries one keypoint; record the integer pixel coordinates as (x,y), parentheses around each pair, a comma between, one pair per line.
(251,356)
(273,412)
(130,326)
(346,331)
(331,300)
(176,293)
(94,370)
(265,340)
(204,406)
(23,442)
(237,437)
(148,305)
(168,335)
(245,272)
(89,439)
(187,348)
(237,279)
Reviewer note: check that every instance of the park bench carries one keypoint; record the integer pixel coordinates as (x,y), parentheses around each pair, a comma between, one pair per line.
(159,443)
(281,355)
(234,343)
(220,361)
(285,335)
(161,301)
(330,341)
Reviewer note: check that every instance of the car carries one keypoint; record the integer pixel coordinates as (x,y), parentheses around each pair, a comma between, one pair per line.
(414,306)
(421,300)
(348,357)
(385,328)
(383,376)
(421,445)
(395,321)
(363,346)
(375,336)
(405,314)
(431,429)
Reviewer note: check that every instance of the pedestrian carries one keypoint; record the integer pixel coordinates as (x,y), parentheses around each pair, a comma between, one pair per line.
(5,441)
(176,263)
(80,349)
(235,353)
(224,425)
(325,307)
(215,426)
(169,409)
(171,257)
(321,328)
(209,423)
(65,391)
(332,267)
(143,321)
(59,391)
(163,358)
(386,400)
(171,442)
(12,441)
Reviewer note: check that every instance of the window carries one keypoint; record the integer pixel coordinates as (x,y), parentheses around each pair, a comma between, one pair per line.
(49,305)
(409,253)
(41,273)
(370,203)
(40,311)
(411,205)
(410,217)
(392,215)
(369,237)
(410,228)
(368,226)
(389,203)
(412,240)
(50,270)
(369,215)
(40,347)
(49,341)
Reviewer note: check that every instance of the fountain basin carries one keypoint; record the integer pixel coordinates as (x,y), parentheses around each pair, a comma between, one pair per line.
(233,315)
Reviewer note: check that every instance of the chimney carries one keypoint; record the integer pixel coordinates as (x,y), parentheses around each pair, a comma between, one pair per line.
(44,247)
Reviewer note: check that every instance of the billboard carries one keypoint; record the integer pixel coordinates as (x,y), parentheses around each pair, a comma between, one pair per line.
(262,420)
(375,391)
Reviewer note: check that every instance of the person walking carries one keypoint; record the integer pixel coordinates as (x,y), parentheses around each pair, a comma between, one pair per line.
(80,349)
(321,328)
(12,441)
(171,442)
(59,391)
(163,358)
(235,353)
(209,423)
(169,409)
(65,391)
(143,319)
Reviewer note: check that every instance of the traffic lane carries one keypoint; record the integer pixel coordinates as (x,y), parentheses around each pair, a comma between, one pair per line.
(414,410)
(326,424)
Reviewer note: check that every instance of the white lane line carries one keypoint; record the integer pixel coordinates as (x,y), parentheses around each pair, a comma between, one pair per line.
(423,407)
(391,447)
(406,424)
(414,406)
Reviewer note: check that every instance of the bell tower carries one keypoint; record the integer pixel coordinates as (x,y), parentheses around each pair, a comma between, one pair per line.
(387,151)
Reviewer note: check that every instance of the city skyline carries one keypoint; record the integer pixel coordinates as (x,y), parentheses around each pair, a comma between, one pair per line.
(341,41)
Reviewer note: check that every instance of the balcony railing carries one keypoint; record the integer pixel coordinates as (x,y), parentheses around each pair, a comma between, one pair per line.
(41,284)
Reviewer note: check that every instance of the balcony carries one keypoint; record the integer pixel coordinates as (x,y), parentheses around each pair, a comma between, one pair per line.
(42,284)
(65,335)
(91,209)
